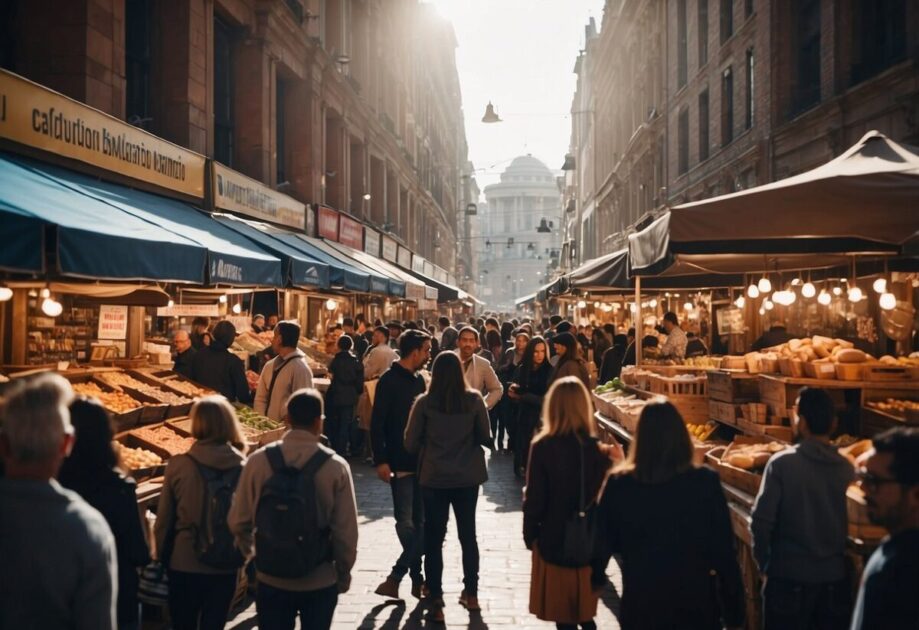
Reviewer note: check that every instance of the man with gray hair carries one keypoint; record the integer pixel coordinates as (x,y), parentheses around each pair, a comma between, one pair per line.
(58,553)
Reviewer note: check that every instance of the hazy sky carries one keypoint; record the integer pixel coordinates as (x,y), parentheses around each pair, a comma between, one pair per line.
(518,54)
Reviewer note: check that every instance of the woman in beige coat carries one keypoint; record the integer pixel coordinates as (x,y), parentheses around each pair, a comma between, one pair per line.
(569,361)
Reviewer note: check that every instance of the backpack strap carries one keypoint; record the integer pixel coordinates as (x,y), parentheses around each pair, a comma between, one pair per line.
(275,457)
(315,462)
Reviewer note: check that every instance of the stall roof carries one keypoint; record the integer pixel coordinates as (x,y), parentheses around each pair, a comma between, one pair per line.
(302,270)
(445,292)
(526,299)
(93,238)
(414,289)
(863,201)
(377,282)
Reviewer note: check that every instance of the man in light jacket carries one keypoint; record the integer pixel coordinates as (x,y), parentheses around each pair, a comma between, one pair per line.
(380,356)
(284,374)
(480,376)
(313,596)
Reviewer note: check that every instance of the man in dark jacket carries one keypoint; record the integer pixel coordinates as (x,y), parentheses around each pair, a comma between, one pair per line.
(800,524)
(449,334)
(775,336)
(360,344)
(181,341)
(221,370)
(347,384)
(395,393)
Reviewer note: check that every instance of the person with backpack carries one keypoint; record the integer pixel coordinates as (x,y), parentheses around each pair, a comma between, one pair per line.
(193,540)
(295,503)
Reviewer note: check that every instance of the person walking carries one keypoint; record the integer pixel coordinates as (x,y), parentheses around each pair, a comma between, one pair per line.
(59,556)
(380,355)
(347,384)
(890,582)
(528,386)
(215,367)
(566,469)
(201,586)
(506,407)
(569,362)
(93,471)
(447,427)
(284,374)
(395,394)
(301,569)
(477,370)
(800,525)
(669,522)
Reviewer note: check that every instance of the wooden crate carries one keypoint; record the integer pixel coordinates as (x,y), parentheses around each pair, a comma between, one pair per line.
(757,413)
(694,409)
(824,371)
(173,411)
(774,431)
(880,372)
(122,421)
(850,371)
(723,411)
(729,387)
(745,480)
(130,440)
(667,386)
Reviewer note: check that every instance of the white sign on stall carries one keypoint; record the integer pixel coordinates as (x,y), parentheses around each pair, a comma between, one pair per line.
(113,322)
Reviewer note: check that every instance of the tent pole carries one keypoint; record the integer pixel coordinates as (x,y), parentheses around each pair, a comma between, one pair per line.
(639,329)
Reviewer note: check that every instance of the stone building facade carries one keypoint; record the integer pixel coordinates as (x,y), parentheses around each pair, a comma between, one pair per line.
(690,99)
(354,104)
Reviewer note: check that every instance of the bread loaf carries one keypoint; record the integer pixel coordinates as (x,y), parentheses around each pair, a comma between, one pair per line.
(851,355)
(740,460)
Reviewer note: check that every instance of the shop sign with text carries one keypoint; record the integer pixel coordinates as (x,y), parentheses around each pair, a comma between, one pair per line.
(327,220)
(113,322)
(237,193)
(188,310)
(371,242)
(390,250)
(35,116)
(417,264)
(350,233)
(405,257)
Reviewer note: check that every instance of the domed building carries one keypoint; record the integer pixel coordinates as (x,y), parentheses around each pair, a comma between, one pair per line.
(520,232)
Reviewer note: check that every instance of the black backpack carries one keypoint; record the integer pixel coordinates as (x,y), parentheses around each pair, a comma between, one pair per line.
(214,544)
(288,540)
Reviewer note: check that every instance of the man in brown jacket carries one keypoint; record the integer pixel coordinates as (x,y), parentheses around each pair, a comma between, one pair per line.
(315,595)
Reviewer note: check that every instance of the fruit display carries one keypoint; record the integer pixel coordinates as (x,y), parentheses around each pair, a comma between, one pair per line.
(137,458)
(189,389)
(615,384)
(895,406)
(124,380)
(165,438)
(251,343)
(116,402)
(752,457)
(249,418)
(701,432)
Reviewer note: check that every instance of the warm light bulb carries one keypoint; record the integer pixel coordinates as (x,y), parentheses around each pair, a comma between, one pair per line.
(688,306)
(222,299)
(45,293)
(652,303)
(752,292)
(764,285)
(740,301)
(237,309)
(331,305)
(5,294)
(596,305)
(632,307)
(880,285)
(855,294)
(837,291)
(888,301)
(824,298)
(170,304)
(762,311)
(808,290)
(768,305)
(582,304)
(51,308)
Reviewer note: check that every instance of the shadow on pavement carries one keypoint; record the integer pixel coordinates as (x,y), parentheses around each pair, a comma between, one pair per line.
(502,489)
(611,599)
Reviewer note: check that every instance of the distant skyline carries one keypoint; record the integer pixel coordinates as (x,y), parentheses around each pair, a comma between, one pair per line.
(520,55)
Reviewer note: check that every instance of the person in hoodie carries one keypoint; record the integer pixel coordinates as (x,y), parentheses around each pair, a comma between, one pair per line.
(800,525)
(219,369)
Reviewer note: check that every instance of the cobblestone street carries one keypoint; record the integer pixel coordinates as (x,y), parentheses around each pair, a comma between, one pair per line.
(504,575)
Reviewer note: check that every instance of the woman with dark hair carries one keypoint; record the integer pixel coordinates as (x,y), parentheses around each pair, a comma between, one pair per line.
(507,333)
(669,521)
(569,362)
(219,369)
(93,471)
(611,365)
(493,344)
(448,426)
(507,410)
(528,387)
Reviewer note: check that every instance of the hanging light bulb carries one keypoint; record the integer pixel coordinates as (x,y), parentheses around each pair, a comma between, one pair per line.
(652,303)
(764,285)
(582,304)
(752,291)
(768,305)
(824,298)
(45,293)
(596,305)
(331,305)
(237,308)
(170,304)
(5,294)
(632,307)
(837,291)
(855,294)
(808,290)
(888,301)
(51,308)
(740,301)
(880,285)
(762,311)
(688,306)
(222,299)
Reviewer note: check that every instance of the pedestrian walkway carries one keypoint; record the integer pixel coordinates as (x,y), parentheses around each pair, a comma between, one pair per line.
(504,577)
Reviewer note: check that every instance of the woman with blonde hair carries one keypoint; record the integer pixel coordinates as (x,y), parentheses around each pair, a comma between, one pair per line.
(566,470)
(191,536)
(669,520)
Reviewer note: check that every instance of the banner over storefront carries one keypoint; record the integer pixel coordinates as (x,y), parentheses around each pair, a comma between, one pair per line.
(243,195)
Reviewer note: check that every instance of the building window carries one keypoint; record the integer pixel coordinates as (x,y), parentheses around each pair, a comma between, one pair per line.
(727,19)
(748,8)
(683,140)
(727,107)
(703,126)
(748,101)
(879,37)
(681,53)
(137,55)
(281,132)
(807,63)
(223,93)
(703,32)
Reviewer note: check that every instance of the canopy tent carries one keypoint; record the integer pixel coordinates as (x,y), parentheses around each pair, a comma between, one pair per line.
(414,289)
(445,292)
(301,270)
(864,201)
(378,283)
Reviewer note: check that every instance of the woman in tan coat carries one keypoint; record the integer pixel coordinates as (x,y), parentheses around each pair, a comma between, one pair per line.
(569,362)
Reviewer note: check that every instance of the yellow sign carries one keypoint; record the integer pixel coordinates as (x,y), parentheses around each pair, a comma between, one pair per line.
(237,193)
(38,117)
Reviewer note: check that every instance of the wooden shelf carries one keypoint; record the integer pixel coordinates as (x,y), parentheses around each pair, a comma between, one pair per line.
(832,383)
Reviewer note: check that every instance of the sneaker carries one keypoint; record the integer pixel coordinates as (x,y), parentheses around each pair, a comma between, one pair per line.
(469,602)
(420,590)
(389,588)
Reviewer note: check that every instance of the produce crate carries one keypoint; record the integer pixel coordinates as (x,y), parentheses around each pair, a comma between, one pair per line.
(140,440)
(742,479)
(791,367)
(170,378)
(122,421)
(733,363)
(778,432)
(823,370)
(174,411)
(130,440)
(757,413)
(667,386)
(694,409)
(731,387)
(850,371)
(769,366)
(880,372)
(723,411)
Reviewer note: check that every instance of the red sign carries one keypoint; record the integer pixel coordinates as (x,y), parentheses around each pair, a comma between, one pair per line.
(328,223)
(351,233)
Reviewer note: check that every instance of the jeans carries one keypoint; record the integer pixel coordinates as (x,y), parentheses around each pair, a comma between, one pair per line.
(437,502)
(339,427)
(409,514)
(789,605)
(278,609)
(200,600)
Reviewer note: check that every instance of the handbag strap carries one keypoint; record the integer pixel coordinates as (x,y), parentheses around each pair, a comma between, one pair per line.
(274,376)
(581,506)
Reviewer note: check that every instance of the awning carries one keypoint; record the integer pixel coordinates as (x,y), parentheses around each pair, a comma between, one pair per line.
(91,239)
(414,289)
(445,292)
(526,299)
(341,268)
(301,270)
(392,285)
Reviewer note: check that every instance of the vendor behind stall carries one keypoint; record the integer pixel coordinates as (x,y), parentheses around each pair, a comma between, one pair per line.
(675,346)
(258,323)
(184,352)
(218,368)
(775,336)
